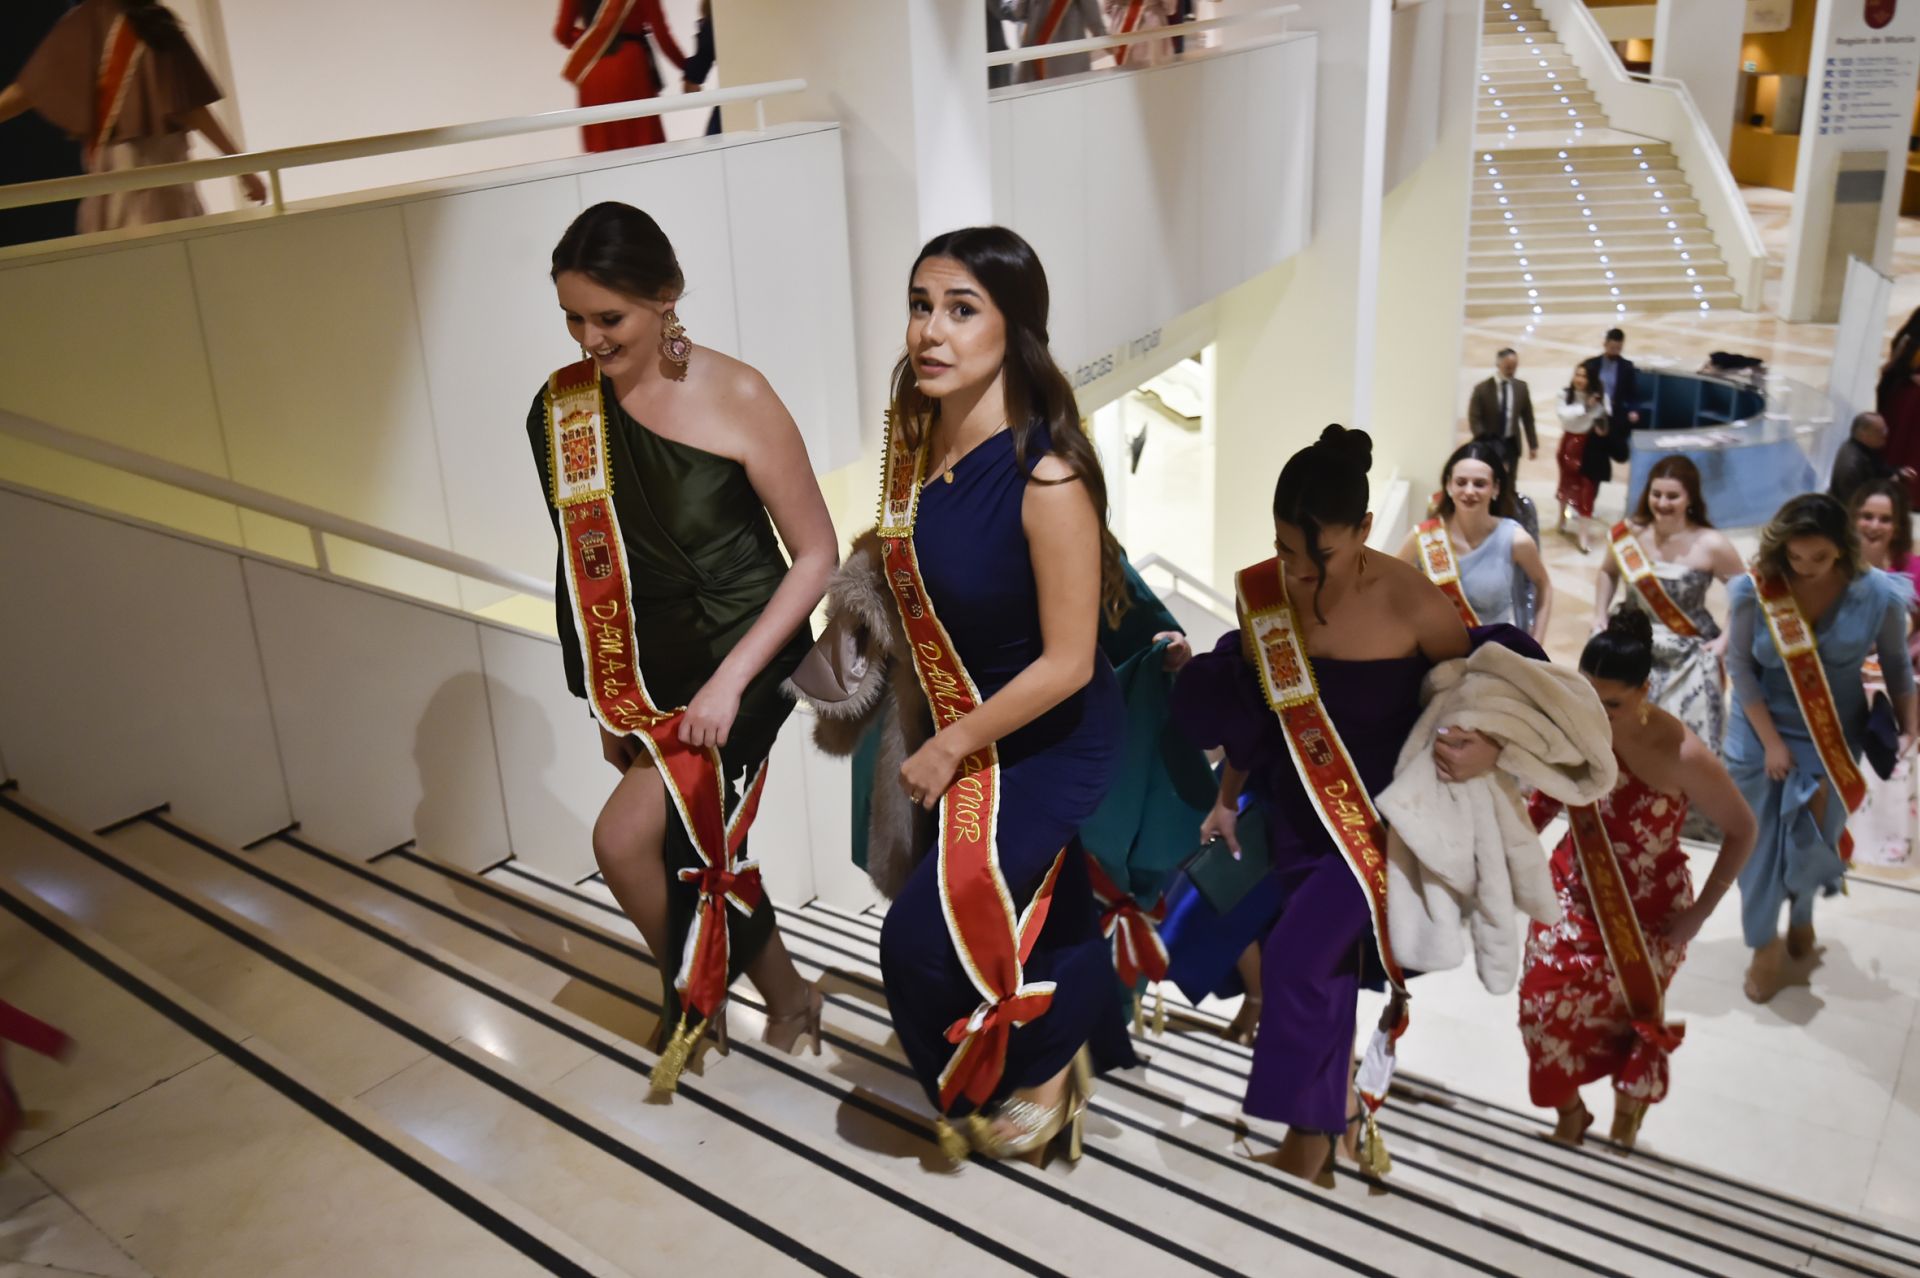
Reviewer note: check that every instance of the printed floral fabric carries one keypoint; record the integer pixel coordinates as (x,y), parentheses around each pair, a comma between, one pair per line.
(1572,1017)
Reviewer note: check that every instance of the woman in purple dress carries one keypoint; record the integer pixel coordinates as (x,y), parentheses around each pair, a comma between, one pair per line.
(1372,626)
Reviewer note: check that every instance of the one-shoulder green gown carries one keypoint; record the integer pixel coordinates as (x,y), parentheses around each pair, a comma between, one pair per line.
(703,561)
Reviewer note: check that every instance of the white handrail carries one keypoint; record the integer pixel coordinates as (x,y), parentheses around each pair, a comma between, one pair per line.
(316,521)
(1094,44)
(1217,603)
(1698,154)
(272,162)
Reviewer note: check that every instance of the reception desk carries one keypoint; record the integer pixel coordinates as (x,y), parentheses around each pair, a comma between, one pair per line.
(1754,449)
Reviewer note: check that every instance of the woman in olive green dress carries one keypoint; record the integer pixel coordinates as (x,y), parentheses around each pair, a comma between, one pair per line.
(705,465)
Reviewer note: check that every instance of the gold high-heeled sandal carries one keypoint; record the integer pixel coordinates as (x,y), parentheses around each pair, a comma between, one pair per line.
(1037,1127)
(809,1018)
(1628,1114)
(1573,1124)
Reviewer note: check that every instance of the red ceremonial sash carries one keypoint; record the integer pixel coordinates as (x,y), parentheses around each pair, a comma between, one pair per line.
(1436,560)
(591,47)
(1138,952)
(1634,967)
(1271,631)
(1793,639)
(991,940)
(597,583)
(118,58)
(1129,23)
(1637,568)
(1048,25)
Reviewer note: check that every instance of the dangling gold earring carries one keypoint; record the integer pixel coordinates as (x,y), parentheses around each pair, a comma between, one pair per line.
(1646,711)
(675,347)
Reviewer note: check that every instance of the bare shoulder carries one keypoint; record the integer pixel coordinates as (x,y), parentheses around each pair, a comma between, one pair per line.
(1053,471)
(733,383)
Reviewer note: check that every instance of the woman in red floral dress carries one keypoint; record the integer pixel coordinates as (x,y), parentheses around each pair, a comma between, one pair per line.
(1573,1017)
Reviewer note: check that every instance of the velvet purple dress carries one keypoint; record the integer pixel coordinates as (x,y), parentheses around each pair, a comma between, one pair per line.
(978,570)
(1319,938)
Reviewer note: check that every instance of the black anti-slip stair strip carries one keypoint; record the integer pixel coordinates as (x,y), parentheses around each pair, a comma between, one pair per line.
(812,917)
(507,1087)
(545,1018)
(850,1096)
(469,1205)
(858,1008)
(561,919)
(1642,1165)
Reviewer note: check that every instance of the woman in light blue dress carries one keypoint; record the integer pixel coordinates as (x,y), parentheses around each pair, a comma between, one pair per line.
(1477,507)
(1854,610)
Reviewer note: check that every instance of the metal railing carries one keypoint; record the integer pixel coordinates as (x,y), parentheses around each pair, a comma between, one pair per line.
(319,524)
(272,163)
(1096,44)
(1188,584)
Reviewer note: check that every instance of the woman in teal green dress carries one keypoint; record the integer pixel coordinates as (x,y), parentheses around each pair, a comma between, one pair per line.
(706,466)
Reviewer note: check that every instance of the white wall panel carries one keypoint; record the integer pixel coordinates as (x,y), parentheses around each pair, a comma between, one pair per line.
(786,208)
(551,773)
(1049,203)
(315,344)
(491,331)
(381,709)
(1414,87)
(128,676)
(1150,193)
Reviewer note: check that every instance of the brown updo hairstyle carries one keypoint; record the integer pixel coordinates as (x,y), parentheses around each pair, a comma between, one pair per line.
(1900,546)
(1680,468)
(1480,450)
(619,247)
(1810,515)
(1623,652)
(1038,393)
(1324,485)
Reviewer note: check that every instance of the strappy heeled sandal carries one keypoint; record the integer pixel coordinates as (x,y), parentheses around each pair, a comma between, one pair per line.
(1036,1127)
(808,1019)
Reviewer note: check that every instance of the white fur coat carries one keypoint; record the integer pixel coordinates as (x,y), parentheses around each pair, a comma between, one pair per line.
(1465,856)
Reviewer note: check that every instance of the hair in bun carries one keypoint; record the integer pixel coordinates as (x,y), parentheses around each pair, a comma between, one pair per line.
(1355,447)
(1623,652)
(1322,486)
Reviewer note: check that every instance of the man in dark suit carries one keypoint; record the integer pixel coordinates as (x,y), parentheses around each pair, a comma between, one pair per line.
(1614,373)
(1501,410)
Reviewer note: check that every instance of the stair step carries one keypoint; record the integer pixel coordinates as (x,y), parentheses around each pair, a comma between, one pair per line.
(1578,153)
(1592,273)
(1580,181)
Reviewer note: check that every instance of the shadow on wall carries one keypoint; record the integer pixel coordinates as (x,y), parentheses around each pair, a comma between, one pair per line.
(460,771)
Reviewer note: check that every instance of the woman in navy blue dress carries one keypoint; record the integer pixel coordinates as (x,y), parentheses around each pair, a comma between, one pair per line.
(1014,556)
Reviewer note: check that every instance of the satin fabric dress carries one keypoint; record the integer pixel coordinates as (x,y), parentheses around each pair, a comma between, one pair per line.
(1797,857)
(977,568)
(703,561)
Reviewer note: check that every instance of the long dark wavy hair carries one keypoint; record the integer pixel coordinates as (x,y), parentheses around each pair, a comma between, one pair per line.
(1038,393)
(156,25)
(1677,467)
(1480,450)
(619,247)
(1900,546)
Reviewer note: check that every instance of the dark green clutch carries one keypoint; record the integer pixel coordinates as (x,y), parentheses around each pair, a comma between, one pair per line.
(1224,879)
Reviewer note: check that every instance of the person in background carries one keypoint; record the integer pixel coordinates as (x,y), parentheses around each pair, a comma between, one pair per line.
(1862,459)
(32,147)
(1615,374)
(997,77)
(1883,827)
(1813,582)
(1500,411)
(1897,398)
(1675,554)
(611,62)
(1583,414)
(1054,22)
(1127,16)
(700,65)
(1575,1017)
(1482,541)
(133,57)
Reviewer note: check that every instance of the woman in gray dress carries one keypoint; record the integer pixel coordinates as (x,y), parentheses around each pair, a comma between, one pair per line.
(1478,512)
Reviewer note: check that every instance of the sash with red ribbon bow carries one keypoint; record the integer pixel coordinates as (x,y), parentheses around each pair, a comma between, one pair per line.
(602,596)
(1139,955)
(992,941)
(1635,970)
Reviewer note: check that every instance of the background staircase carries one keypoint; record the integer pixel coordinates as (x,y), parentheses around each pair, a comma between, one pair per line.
(292,1062)
(1569,215)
